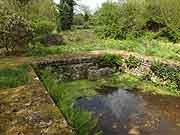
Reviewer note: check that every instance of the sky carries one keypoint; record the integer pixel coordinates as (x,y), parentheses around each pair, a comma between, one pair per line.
(93,4)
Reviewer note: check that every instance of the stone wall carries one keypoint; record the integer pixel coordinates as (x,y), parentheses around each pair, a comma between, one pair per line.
(77,68)
(89,68)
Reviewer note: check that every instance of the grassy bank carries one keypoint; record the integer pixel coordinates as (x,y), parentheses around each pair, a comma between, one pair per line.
(13,77)
(65,94)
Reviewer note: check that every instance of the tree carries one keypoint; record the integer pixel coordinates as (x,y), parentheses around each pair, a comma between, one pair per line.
(66,11)
(171,14)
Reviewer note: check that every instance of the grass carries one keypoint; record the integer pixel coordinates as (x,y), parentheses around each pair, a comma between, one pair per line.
(13,77)
(84,41)
(64,95)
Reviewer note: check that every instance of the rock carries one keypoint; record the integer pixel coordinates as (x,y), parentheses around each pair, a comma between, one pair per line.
(95,74)
(50,39)
(134,131)
(28,104)
(54,40)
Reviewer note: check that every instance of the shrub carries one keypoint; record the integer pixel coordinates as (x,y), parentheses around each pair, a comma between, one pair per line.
(111,60)
(170,35)
(133,62)
(15,33)
(117,20)
(42,27)
(166,72)
(78,19)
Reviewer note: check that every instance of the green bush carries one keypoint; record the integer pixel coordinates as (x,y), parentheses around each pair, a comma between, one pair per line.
(166,72)
(170,35)
(78,19)
(42,27)
(117,20)
(111,60)
(133,62)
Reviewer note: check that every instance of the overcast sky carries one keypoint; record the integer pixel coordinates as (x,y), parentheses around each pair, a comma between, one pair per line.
(93,4)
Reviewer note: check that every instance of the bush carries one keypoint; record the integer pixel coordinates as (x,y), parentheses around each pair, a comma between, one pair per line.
(111,60)
(164,71)
(78,20)
(15,33)
(170,35)
(117,20)
(133,62)
(42,27)
(167,72)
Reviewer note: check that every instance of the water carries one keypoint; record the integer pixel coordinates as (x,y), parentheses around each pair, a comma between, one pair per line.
(125,113)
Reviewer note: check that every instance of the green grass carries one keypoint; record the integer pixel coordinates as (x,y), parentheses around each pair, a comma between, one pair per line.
(13,77)
(84,41)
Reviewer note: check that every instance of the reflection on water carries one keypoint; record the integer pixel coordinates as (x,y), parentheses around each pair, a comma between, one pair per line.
(126,113)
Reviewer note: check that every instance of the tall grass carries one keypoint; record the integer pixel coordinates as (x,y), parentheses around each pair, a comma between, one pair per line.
(13,77)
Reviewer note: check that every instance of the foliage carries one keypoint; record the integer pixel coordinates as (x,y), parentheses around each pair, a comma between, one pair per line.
(170,35)
(133,62)
(170,12)
(112,60)
(42,27)
(15,32)
(117,20)
(166,73)
(78,19)
(43,16)
(13,77)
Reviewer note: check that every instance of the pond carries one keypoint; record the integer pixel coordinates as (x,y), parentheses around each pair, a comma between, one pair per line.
(122,102)
(123,112)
